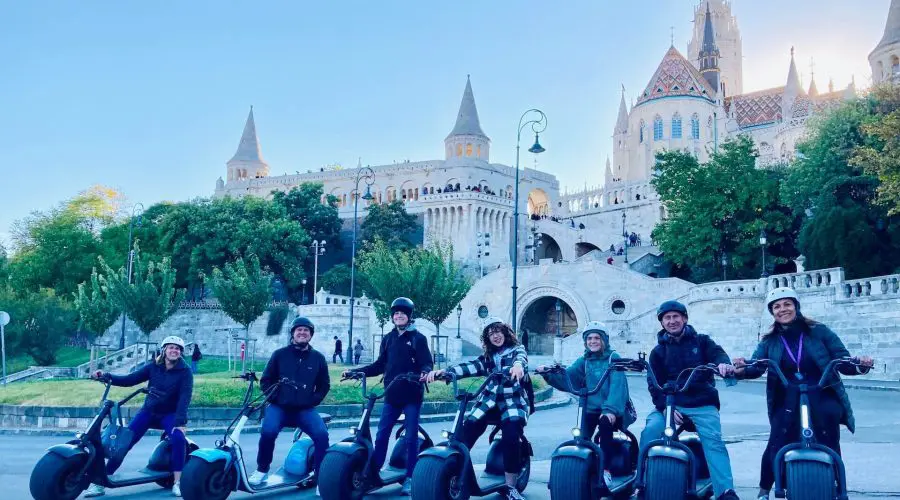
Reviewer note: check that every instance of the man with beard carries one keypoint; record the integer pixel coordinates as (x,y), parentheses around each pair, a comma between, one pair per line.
(294,406)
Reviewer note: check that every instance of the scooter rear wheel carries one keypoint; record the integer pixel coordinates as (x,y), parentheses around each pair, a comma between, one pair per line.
(570,478)
(202,480)
(808,480)
(54,477)
(340,476)
(666,479)
(438,478)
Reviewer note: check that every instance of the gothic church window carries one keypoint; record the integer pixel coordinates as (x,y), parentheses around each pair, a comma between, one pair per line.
(657,129)
(641,131)
(695,126)
(676,126)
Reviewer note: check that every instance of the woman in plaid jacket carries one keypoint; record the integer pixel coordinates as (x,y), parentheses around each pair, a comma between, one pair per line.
(503,398)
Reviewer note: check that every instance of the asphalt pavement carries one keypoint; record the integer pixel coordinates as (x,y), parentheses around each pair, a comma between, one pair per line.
(871,455)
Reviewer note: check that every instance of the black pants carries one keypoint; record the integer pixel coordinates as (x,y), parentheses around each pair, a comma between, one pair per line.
(356,358)
(336,355)
(605,429)
(825,412)
(510,439)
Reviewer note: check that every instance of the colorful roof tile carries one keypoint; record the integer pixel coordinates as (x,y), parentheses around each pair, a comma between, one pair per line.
(676,76)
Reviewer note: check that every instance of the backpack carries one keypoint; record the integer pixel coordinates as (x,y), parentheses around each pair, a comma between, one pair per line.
(630,415)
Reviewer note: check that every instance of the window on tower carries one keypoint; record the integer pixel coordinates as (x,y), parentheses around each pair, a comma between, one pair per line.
(641,131)
(469,149)
(676,126)
(657,129)
(695,126)
(459,150)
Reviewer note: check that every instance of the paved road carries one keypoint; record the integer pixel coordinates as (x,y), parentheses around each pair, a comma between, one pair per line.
(871,454)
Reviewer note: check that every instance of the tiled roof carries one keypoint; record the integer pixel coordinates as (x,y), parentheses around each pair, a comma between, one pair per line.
(676,76)
(756,108)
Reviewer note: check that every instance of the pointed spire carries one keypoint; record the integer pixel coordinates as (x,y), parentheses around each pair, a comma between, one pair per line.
(891,27)
(793,86)
(467,120)
(850,93)
(709,53)
(709,35)
(248,149)
(622,121)
(813,90)
(830,85)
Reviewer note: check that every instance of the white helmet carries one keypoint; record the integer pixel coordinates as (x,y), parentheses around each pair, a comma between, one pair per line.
(171,339)
(595,326)
(777,294)
(491,320)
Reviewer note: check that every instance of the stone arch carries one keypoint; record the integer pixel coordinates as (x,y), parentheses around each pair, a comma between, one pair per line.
(895,65)
(538,202)
(548,249)
(583,247)
(539,299)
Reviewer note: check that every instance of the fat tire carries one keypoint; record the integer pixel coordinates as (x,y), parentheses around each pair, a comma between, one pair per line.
(336,475)
(432,478)
(666,479)
(571,478)
(50,478)
(808,480)
(524,475)
(202,480)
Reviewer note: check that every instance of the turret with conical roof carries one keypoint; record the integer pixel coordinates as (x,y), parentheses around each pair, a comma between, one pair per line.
(247,162)
(792,90)
(709,53)
(467,140)
(885,58)
(622,121)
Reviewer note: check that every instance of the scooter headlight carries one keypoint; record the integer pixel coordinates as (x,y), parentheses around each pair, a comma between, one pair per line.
(445,434)
(353,431)
(576,432)
(669,432)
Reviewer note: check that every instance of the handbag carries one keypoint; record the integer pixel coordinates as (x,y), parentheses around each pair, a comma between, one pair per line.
(116,437)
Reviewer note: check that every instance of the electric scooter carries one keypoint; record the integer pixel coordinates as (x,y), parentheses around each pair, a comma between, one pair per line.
(213,473)
(577,465)
(674,466)
(66,470)
(348,471)
(808,470)
(445,471)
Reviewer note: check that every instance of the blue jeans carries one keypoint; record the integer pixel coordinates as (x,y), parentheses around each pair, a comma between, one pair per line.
(709,428)
(139,425)
(389,416)
(194,366)
(276,419)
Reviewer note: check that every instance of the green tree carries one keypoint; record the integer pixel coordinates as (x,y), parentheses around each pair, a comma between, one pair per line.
(146,229)
(447,285)
(389,223)
(321,221)
(244,291)
(720,207)
(41,322)
(151,298)
(880,156)
(96,207)
(96,310)
(337,280)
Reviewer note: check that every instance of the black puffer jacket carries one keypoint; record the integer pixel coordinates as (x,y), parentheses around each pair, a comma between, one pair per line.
(402,353)
(307,368)
(170,389)
(671,356)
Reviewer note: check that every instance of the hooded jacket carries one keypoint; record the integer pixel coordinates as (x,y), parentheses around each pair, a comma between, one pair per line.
(587,371)
(671,356)
(401,353)
(171,389)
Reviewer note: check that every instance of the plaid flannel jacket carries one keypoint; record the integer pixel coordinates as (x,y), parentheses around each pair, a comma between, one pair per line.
(507,396)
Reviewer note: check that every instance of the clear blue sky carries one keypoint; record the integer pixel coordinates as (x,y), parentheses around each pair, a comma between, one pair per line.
(151,97)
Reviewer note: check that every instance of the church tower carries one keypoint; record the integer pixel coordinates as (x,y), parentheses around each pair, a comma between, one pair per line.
(467,140)
(247,162)
(709,53)
(727,39)
(885,58)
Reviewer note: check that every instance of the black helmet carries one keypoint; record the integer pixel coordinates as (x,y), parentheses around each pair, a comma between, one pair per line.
(303,321)
(670,306)
(403,305)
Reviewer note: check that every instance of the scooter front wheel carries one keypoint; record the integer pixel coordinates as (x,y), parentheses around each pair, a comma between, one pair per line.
(202,480)
(808,480)
(570,478)
(341,476)
(666,479)
(55,477)
(438,478)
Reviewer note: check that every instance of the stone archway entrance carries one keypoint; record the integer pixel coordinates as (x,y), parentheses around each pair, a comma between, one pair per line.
(544,319)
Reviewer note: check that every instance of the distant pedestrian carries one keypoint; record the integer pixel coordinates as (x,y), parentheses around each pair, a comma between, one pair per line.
(609,260)
(338,350)
(357,351)
(196,356)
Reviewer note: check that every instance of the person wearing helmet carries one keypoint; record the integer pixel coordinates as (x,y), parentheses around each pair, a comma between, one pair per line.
(606,408)
(802,347)
(680,347)
(171,383)
(294,406)
(403,350)
(506,399)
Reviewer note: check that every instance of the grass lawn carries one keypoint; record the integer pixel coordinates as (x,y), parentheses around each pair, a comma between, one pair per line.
(67,356)
(213,387)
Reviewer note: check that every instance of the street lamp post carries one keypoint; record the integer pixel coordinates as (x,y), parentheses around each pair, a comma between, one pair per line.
(318,248)
(367,174)
(4,320)
(130,260)
(558,318)
(458,316)
(724,266)
(535,243)
(303,281)
(762,244)
(625,235)
(538,125)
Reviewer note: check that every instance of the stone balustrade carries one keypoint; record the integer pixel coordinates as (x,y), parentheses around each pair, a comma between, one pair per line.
(869,287)
(821,278)
(726,290)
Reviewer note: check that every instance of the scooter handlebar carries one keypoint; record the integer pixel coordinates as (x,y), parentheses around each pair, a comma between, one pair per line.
(826,373)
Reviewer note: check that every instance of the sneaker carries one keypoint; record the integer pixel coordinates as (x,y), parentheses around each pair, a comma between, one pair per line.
(407,487)
(95,490)
(513,494)
(176,490)
(762,495)
(729,495)
(258,477)
(607,477)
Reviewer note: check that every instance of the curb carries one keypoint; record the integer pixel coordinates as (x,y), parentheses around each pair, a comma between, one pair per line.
(848,384)
(549,404)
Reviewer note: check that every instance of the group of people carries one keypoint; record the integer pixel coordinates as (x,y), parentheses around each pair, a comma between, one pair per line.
(801,346)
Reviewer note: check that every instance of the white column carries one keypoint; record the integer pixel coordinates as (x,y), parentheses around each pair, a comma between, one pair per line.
(427,228)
